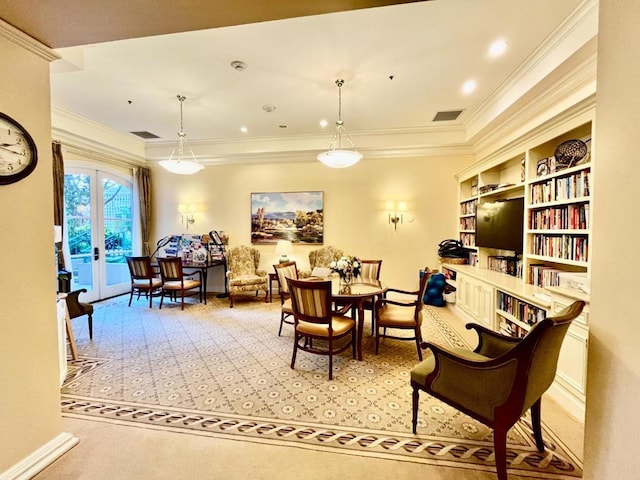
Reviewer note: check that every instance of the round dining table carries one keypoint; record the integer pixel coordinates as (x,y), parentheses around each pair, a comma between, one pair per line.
(353,296)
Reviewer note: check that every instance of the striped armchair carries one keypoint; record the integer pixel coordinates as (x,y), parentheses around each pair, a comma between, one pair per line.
(244,274)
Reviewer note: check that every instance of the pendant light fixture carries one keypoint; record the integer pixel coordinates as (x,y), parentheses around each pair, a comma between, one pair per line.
(182,160)
(337,156)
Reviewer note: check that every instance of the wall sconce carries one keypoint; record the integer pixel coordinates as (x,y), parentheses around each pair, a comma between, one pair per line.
(186,214)
(284,248)
(396,212)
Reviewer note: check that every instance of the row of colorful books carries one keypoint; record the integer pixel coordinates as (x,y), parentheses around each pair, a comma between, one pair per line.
(523,311)
(564,188)
(569,217)
(568,247)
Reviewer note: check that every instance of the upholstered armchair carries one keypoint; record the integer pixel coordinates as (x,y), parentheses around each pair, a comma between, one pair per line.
(498,381)
(321,257)
(244,274)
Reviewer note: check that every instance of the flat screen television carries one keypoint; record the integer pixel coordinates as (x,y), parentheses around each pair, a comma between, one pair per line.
(500,224)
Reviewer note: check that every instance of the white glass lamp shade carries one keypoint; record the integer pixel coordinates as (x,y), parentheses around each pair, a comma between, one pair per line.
(340,158)
(181,167)
(284,247)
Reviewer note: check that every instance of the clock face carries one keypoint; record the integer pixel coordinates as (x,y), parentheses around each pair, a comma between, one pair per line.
(18,154)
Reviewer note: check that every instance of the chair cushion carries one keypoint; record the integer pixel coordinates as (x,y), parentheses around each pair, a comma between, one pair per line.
(396,316)
(341,325)
(243,280)
(142,284)
(420,372)
(287,307)
(176,285)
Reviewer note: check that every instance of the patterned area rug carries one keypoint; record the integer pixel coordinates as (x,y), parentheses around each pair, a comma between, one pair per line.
(212,370)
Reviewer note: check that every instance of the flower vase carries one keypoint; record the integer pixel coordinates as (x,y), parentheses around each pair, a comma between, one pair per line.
(347,279)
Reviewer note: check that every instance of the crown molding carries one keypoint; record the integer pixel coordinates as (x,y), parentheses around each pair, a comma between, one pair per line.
(21,39)
(578,29)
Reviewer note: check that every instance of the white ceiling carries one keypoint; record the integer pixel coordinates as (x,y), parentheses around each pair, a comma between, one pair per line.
(401,65)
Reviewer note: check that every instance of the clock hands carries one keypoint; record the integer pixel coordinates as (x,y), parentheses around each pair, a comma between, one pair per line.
(4,146)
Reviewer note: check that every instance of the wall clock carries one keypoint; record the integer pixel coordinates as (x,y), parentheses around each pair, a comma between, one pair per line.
(18,153)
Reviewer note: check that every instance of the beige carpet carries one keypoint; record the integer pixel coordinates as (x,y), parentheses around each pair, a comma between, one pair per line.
(214,371)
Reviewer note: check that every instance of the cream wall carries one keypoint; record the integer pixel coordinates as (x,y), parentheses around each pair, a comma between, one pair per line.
(29,386)
(613,413)
(354,207)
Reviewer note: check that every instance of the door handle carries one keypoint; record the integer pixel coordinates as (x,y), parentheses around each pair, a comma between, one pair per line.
(96,253)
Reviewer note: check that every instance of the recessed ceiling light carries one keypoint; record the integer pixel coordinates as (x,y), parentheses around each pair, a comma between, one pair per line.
(244,129)
(498,48)
(469,86)
(268,108)
(323,123)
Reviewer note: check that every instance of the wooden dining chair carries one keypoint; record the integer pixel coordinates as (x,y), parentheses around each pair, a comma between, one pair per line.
(315,320)
(143,278)
(283,271)
(394,313)
(174,280)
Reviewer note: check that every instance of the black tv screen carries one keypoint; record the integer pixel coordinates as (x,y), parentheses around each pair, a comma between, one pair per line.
(500,224)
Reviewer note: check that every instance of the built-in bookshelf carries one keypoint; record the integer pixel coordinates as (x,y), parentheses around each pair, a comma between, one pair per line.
(557,197)
(517,316)
(467,221)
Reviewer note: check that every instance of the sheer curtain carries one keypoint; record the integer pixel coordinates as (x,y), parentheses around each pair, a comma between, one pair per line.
(58,196)
(142,192)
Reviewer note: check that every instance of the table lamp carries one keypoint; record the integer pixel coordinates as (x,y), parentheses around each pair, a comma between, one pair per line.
(284,247)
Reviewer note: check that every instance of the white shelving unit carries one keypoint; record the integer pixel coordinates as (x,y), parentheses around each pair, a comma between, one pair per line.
(556,243)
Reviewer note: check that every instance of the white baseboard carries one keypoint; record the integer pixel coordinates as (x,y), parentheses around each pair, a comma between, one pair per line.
(573,406)
(40,458)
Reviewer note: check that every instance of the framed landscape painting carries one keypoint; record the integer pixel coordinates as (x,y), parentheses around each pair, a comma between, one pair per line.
(294,216)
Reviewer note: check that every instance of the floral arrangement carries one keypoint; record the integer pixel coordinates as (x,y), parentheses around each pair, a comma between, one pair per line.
(346,267)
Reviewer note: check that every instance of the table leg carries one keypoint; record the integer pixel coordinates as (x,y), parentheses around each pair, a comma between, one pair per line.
(204,283)
(360,328)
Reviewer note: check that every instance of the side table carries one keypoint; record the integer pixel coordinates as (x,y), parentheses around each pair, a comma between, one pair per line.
(272,277)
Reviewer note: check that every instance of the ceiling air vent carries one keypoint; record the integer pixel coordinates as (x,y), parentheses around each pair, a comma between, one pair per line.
(447,116)
(145,135)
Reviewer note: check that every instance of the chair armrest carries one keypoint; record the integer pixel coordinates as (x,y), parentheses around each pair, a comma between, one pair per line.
(491,344)
(73,303)
(261,273)
(191,274)
(479,385)
(382,301)
(397,290)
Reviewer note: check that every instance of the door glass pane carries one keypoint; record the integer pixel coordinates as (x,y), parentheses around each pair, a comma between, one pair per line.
(77,197)
(117,230)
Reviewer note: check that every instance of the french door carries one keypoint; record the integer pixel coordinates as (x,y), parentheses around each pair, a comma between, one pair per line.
(98,215)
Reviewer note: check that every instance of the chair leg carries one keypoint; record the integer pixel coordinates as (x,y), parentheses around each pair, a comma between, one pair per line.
(330,358)
(266,296)
(161,298)
(414,409)
(131,296)
(90,321)
(181,299)
(150,293)
(281,322)
(500,449)
(418,336)
(535,423)
(295,349)
(230,300)
(377,338)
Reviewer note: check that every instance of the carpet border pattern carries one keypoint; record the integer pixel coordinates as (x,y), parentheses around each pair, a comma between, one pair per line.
(556,463)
